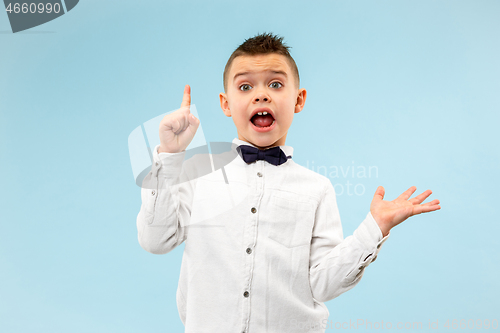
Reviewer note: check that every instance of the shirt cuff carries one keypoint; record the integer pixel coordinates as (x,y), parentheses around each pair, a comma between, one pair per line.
(370,235)
(167,164)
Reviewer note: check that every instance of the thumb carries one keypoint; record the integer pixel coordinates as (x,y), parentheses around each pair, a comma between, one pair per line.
(193,121)
(379,194)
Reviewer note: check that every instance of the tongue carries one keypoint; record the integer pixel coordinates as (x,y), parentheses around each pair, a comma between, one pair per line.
(263,121)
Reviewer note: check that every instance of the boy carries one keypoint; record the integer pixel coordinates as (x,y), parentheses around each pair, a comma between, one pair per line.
(264,250)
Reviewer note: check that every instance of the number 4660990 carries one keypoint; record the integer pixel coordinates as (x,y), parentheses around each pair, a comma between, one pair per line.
(33,8)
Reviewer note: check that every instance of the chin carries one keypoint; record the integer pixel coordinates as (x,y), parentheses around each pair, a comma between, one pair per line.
(263,142)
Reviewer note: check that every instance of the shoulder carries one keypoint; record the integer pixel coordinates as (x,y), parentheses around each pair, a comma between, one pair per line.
(308,173)
(311,182)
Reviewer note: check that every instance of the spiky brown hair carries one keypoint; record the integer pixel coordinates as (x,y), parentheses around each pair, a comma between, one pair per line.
(264,43)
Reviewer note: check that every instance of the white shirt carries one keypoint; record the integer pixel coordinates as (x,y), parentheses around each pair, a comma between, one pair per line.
(263,250)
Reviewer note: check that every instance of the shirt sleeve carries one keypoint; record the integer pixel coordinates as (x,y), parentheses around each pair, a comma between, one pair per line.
(337,264)
(166,197)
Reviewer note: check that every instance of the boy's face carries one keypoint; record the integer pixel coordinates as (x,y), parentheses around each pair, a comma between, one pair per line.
(262,83)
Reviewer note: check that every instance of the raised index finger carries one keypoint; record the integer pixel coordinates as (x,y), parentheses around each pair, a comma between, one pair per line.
(186,99)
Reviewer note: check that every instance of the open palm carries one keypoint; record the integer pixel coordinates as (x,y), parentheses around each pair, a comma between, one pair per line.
(389,214)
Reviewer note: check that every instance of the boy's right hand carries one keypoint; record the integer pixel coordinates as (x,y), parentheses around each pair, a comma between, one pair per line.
(178,128)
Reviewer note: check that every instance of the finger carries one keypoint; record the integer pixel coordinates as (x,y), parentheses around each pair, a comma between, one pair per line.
(433,202)
(186,99)
(174,122)
(193,122)
(182,121)
(379,194)
(176,126)
(425,209)
(185,121)
(407,194)
(189,120)
(421,197)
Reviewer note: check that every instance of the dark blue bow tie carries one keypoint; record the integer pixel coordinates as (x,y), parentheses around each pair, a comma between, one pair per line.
(250,154)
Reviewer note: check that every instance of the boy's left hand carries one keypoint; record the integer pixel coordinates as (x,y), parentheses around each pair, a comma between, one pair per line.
(389,214)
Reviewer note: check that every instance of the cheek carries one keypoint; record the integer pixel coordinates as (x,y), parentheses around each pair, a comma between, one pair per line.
(240,118)
(286,99)
(239,112)
(289,118)
(287,104)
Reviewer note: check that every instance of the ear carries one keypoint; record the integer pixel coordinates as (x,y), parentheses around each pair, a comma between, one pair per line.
(301,100)
(224,104)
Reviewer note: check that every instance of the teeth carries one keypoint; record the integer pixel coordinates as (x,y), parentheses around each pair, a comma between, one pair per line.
(264,113)
(259,113)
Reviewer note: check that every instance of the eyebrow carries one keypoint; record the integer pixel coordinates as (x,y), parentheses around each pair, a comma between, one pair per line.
(245,73)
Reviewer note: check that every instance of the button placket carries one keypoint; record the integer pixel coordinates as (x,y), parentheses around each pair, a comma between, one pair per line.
(257,176)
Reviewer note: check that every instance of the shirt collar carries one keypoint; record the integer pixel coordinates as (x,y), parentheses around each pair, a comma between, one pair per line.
(288,150)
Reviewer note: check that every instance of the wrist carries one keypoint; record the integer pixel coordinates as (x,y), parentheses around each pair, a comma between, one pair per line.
(164,150)
(384,228)
(385,231)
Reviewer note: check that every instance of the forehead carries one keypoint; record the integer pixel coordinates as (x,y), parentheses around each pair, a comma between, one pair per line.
(254,64)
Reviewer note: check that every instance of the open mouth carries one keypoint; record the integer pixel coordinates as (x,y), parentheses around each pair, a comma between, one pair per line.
(262,119)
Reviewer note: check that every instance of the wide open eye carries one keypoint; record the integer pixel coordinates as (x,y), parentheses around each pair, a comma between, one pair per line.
(276,84)
(244,86)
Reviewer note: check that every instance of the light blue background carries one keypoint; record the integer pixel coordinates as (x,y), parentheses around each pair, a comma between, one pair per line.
(411,87)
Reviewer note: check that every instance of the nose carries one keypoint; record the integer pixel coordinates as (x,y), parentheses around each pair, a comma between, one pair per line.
(261,96)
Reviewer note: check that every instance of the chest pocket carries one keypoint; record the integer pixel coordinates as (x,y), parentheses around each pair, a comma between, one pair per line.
(291,222)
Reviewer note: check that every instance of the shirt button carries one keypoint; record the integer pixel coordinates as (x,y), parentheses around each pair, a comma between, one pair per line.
(254,210)
(157,163)
(249,250)
(246,294)
(153,193)
(259,174)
